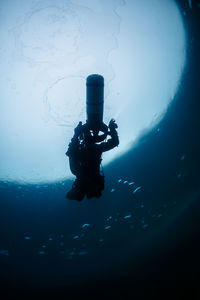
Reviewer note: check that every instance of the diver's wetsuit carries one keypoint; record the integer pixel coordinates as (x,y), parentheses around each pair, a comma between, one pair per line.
(85,160)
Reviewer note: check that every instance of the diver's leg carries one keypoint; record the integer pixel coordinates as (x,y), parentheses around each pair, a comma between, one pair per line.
(77,192)
(95,186)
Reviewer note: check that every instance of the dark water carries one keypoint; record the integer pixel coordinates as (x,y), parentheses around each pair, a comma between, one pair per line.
(141,238)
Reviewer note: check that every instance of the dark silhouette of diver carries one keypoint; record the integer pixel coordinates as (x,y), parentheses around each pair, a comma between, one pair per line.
(84,152)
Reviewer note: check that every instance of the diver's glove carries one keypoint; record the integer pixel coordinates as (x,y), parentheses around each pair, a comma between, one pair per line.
(112,125)
(113,133)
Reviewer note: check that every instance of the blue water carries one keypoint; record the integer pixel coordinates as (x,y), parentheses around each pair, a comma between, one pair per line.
(134,235)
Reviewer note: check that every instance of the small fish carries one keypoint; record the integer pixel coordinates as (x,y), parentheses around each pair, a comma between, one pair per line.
(145,226)
(41,252)
(127,217)
(137,189)
(107,227)
(85,226)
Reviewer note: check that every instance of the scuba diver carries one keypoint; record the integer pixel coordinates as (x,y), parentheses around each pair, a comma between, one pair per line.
(84,152)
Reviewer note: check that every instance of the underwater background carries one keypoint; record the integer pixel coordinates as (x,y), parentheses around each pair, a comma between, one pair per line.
(141,238)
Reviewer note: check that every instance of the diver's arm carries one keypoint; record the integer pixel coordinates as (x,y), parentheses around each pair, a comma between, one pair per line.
(114,141)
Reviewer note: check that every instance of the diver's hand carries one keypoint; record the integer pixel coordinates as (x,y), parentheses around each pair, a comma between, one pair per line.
(112,125)
(78,129)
